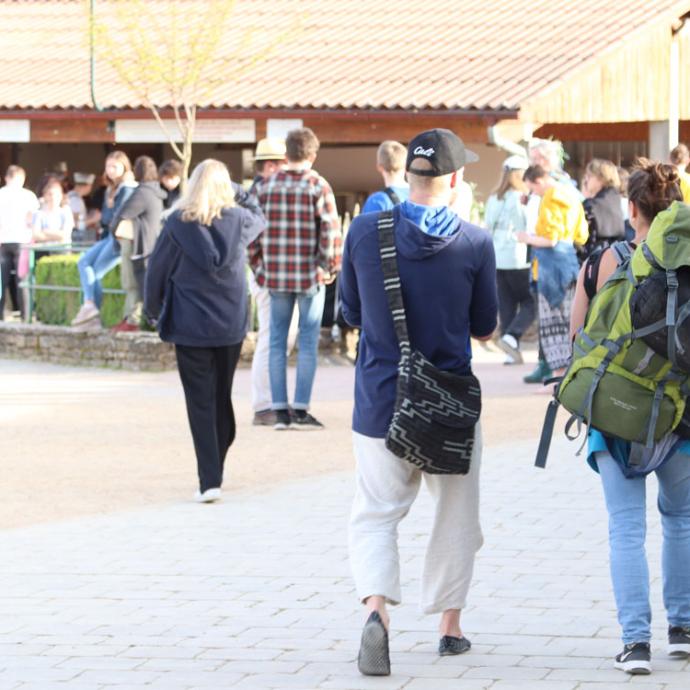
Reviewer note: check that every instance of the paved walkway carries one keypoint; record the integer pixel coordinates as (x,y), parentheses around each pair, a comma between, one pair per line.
(255,592)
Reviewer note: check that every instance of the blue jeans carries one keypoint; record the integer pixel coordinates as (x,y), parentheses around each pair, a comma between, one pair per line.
(94,264)
(310,305)
(625,502)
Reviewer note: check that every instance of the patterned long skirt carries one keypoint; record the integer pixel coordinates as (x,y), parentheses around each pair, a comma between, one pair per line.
(554,330)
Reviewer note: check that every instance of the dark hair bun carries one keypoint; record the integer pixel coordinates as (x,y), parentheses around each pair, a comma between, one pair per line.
(653,187)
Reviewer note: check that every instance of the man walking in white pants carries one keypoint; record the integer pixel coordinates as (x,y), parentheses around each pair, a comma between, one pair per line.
(448,277)
(269,157)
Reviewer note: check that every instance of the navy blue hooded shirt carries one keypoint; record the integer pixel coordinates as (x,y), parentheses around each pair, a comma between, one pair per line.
(449,290)
(196,278)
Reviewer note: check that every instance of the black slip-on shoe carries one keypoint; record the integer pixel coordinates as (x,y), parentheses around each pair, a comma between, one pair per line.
(678,642)
(374,657)
(636,659)
(450,646)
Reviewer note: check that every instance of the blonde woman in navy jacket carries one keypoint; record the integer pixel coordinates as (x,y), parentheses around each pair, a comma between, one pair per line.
(196,289)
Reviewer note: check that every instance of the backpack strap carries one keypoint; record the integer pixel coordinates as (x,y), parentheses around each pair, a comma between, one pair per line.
(591,275)
(683,314)
(671,307)
(391,279)
(390,193)
(649,255)
(547,433)
(622,251)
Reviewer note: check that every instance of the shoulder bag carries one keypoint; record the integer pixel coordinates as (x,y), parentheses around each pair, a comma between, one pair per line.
(435,411)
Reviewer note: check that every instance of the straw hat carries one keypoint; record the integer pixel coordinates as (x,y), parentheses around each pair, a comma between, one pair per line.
(270,149)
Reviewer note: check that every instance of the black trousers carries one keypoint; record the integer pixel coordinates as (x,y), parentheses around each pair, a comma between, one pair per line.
(9,260)
(206,374)
(517,307)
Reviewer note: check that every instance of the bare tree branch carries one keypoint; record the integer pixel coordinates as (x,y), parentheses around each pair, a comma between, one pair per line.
(173,58)
(171,138)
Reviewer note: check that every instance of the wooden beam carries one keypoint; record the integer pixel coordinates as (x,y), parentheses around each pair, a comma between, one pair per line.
(69,130)
(597,131)
(330,127)
(363,129)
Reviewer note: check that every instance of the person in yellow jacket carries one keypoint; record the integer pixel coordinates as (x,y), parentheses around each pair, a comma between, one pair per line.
(560,226)
(680,158)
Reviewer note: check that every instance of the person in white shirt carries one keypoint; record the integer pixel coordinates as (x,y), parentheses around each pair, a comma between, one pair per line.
(83,186)
(54,221)
(17,206)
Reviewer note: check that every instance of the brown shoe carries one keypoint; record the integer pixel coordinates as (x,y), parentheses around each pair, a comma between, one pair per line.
(264,418)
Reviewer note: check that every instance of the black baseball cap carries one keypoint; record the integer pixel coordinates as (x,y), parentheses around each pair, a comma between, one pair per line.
(442,148)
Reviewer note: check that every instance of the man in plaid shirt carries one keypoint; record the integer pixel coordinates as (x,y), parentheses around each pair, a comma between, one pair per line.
(297,255)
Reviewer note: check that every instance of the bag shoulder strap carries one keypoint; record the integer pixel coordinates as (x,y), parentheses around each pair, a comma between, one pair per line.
(622,252)
(591,275)
(390,193)
(499,216)
(391,278)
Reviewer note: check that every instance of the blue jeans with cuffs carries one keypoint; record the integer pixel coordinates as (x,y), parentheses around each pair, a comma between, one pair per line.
(310,305)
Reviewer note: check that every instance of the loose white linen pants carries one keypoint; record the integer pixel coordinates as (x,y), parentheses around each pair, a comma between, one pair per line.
(261,385)
(386,488)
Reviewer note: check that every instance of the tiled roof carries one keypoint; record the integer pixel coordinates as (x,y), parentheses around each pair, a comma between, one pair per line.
(361,54)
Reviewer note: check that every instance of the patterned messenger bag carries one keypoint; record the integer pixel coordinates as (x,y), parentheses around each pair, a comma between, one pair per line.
(435,411)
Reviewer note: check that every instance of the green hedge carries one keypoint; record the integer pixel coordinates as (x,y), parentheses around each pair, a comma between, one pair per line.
(59,308)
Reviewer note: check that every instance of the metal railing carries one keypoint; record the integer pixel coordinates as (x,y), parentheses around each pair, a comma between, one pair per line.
(29,283)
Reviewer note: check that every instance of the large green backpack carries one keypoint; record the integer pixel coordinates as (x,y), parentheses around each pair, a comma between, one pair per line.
(615,382)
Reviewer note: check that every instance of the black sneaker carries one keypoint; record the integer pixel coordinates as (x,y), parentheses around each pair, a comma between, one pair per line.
(635,659)
(301,419)
(283,420)
(678,642)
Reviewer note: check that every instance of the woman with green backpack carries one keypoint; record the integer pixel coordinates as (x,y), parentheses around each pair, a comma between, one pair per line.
(652,188)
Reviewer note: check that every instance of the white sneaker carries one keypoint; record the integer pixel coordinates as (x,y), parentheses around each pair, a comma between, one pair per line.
(87,312)
(209,496)
(93,325)
(510,346)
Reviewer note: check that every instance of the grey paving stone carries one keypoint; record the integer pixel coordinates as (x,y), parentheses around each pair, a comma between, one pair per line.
(625,684)
(256,594)
(121,678)
(357,682)
(542,685)
(506,673)
(35,675)
(446,684)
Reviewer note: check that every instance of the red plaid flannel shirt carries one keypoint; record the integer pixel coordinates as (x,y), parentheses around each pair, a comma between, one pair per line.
(302,235)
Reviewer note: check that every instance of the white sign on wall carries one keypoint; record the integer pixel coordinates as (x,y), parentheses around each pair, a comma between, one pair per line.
(278,129)
(218,131)
(15,131)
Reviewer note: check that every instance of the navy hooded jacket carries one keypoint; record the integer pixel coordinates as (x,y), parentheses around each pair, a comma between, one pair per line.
(196,283)
(449,291)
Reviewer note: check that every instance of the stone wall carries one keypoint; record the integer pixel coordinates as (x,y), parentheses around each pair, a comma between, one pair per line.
(101,348)
(133,351)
